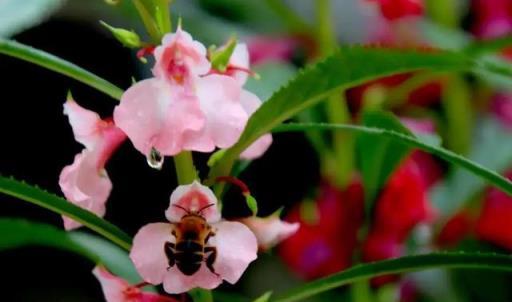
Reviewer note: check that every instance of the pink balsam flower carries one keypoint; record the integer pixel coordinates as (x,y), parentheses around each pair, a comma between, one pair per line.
(197,248)
(117,289)
(85,182)
(270,230)
(185,106)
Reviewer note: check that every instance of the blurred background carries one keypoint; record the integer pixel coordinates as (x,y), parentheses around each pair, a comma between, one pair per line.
(425,204)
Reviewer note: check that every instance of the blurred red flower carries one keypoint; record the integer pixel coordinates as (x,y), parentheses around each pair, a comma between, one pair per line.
(325,246)
(493,225)
(493,18)
(455,229)
(396,9)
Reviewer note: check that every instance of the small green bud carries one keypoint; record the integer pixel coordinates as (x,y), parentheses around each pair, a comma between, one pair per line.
(128,38)
(215,157)
(252,204)
(264,298)
(220,56)
(113,2)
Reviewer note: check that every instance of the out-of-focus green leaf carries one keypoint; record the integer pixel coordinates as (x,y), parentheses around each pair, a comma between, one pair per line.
(264,298)
(379,155)
(484,261)
(46,60)
(19,15)
(59,205)
(201,295)
(492,148)
(345,68)
(272,75)
(490,176)
(111,255)
(18,233)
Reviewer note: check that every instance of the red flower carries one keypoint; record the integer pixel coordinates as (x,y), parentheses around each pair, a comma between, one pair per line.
(403,202)
(493,18)
(396,9)
(455,229)
(494,222)
(326,246)
(381,246)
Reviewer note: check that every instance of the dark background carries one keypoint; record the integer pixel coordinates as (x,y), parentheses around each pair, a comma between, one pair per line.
(37,142)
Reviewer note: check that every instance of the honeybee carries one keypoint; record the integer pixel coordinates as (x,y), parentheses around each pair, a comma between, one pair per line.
(192,233)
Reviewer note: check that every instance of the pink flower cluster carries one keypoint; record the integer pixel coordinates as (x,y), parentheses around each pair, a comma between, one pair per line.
(186,106)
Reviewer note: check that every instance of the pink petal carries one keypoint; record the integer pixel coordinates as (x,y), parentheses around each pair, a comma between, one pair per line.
(117,289)
(176,282)
(236,248)
(85,124)
(180,59)
(240,59)
(193,198)
(85,185)
(219,96)
(251,103)
(148,254)
(113,287)
(270,230)
(153,116)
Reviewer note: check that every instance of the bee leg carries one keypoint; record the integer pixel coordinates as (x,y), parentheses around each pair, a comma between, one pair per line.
(169,252)
(210,259)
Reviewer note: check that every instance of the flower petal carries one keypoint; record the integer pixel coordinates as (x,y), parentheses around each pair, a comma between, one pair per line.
(194,198)
(219,96)
(148,254)
(85,124)
(180,58)
(176,282)
(236,248)
(270,230)
(84,185)
(113,287)
(240,59)
(251,103)
(153,116)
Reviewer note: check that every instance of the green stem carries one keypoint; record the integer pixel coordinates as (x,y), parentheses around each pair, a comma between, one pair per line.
(336,106)
(294,22)
(185,169)
(444,12)
(149,22)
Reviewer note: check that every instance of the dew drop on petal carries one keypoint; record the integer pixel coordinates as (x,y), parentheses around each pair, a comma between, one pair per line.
(155,159)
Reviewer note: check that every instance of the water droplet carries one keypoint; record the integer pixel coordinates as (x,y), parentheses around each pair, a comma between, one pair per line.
(155,159)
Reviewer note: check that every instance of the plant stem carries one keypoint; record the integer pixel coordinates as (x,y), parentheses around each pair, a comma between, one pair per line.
(149,22)
(185,169)
(336,105)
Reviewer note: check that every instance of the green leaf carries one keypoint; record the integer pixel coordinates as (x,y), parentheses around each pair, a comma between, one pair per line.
(272,75)
(18,233)
(46,60)
(490,176)
(201,295)
(347,67)
(484,261)
(379,156)
(112,256)
(128,38)
(59,205)
(17,16)
(492,148)
(264,298)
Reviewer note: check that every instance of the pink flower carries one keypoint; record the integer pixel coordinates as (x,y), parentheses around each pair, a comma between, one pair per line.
(185,107)
(180,59)
(264,49)
(117,289)
(493,18)
(85,182)
(225,248)
(270,230)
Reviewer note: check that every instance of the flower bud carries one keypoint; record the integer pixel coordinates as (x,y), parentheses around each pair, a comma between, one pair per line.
(128,38)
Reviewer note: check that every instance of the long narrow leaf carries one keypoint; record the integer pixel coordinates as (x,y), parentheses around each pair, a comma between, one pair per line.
(44,59)
(346,68)
(400,265)
(489,175)
(59,205)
